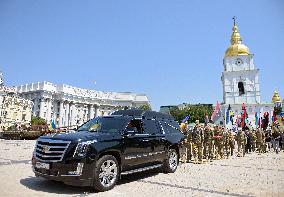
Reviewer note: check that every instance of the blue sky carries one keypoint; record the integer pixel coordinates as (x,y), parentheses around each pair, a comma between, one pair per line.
(170,50)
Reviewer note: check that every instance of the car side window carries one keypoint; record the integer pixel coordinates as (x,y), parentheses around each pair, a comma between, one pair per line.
(136,124)
(170,127)
(151,127)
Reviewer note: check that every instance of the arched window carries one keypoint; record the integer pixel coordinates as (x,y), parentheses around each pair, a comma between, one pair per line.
(241,88)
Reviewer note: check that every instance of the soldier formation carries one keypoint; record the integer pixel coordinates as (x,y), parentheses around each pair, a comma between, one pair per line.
(205,143)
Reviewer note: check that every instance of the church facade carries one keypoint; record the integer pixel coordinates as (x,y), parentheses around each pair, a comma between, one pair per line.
(240,82)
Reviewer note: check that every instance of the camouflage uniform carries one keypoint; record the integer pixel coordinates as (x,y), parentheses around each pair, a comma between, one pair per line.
(189,146)
(253,141)
(219,143)
(232,142)
(259,141)
(183,156)
(241,140)
(226,139)
(197,142)
(208,144)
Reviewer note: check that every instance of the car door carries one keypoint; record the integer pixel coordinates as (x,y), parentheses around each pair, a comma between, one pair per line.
(136,146)
(156,138)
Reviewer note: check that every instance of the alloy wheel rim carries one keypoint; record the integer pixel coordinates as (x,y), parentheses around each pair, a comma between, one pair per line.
(108,173)
(173,160)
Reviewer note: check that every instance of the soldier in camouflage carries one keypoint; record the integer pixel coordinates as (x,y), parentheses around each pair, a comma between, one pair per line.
(241,140)
(198,142)
(218,139)
(259,140)
(232,142)
(226,139)
(208,143)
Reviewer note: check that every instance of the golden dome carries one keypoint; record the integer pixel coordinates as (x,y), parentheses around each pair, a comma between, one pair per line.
(236,48)
(276,98)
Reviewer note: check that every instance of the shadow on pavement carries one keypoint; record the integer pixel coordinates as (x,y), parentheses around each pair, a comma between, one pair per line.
(43,185)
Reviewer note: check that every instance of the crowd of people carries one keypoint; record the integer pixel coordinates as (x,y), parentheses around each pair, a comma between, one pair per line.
(205,143)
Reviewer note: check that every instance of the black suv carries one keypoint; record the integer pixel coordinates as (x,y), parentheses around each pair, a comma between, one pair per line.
(104,148)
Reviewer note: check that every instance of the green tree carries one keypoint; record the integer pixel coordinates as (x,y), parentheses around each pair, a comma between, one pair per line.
(145,107)
(38,121)
(196,112)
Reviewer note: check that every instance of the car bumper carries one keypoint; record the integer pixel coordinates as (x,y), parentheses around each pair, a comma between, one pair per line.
(66,172)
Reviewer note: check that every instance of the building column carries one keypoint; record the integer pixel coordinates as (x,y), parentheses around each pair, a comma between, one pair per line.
(91,112)
(61,114)
(41,110)
(48,112)
(70,114)
(66,121)
(96,111)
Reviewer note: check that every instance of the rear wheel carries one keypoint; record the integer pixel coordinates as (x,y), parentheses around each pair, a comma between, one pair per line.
(171,163)
(106,173)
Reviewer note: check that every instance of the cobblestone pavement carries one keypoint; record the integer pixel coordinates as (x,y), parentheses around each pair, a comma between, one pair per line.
(253,175)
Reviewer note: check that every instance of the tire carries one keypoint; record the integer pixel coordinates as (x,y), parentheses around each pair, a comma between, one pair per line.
(171,163)
(106,173)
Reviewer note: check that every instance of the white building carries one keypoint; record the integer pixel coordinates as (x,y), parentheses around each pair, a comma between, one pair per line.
(14,111)
(240,80)
(69,106)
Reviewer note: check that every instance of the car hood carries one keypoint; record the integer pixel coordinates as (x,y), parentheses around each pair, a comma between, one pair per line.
(80,136)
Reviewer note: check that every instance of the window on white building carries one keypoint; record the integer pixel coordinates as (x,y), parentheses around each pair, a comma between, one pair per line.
(241,88)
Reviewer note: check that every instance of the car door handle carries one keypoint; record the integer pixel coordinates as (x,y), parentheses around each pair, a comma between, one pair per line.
(145,140)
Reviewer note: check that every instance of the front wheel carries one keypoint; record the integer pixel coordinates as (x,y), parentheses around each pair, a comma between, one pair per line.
(171,163)
(106,173)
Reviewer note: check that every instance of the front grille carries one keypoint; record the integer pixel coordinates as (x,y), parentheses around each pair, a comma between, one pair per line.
(48,150)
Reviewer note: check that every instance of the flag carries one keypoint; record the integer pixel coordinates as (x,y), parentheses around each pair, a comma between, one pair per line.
(228,114)
(256,119)
(53,124)
(185,119)
(274,118)
(244,116)
(216,113)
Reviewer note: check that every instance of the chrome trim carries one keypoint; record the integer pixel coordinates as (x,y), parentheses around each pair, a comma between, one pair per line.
(143,155)
(44,150)
(40,145)
(70,175)
(141,169)
(43,173)
(58,175)
(47,156)
(48,151)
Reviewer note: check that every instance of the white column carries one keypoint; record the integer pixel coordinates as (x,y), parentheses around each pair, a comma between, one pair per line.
(91,112)
(66,121)
(70,114)
(48,113)
(96,111)
(41,110)
(61,114)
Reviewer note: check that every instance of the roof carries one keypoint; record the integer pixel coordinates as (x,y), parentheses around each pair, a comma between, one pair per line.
(143,113)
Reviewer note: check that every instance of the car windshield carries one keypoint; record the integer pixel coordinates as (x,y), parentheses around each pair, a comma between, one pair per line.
(103,124)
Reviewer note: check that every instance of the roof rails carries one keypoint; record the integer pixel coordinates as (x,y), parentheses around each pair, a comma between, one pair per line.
(144,113)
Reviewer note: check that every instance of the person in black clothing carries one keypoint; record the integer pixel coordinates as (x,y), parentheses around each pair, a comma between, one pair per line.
(268,140)
(276,137)
(249,141)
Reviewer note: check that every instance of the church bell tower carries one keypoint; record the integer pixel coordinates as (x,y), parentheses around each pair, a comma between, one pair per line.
(240,77)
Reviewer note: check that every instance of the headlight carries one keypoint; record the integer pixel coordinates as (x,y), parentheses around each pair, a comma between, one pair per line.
(82,148)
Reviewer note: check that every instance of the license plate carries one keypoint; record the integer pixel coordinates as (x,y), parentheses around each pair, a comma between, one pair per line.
(42,165)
